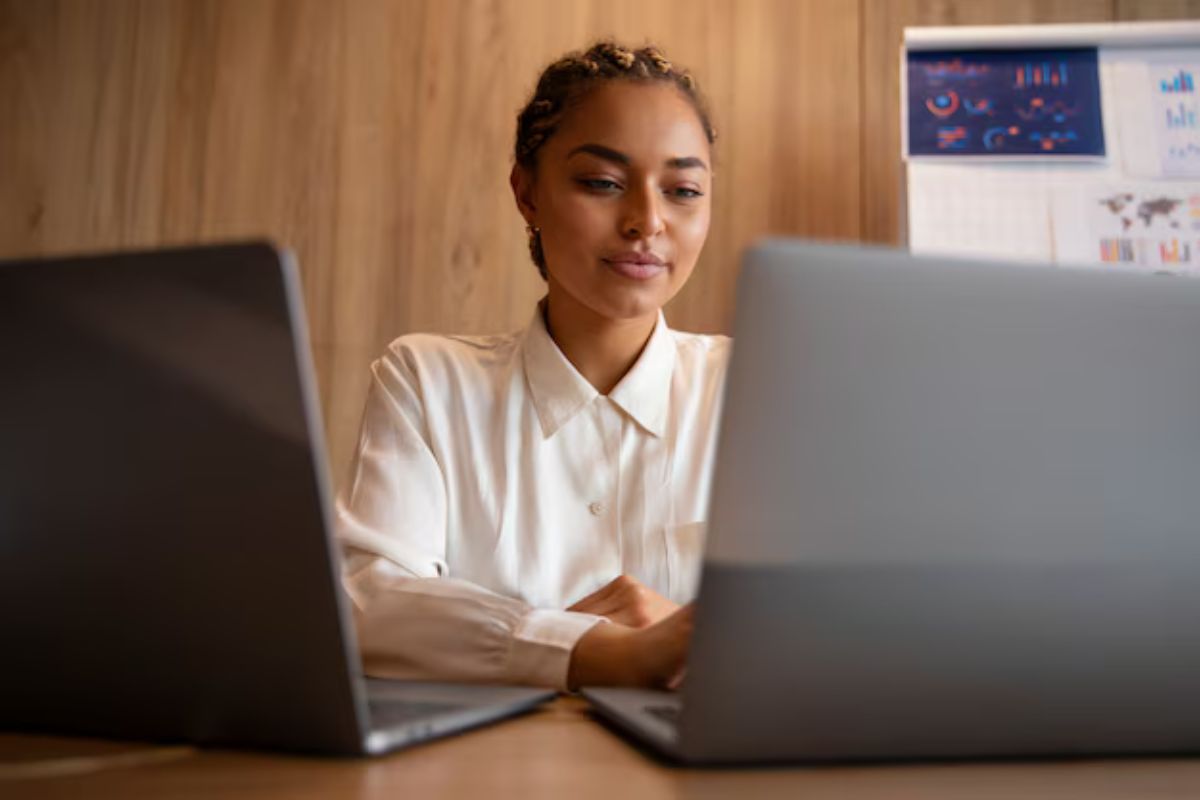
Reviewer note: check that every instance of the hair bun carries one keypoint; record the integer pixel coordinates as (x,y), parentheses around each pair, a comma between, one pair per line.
(618,55)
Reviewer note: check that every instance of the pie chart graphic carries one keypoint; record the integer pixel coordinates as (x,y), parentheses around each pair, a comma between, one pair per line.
(943,104)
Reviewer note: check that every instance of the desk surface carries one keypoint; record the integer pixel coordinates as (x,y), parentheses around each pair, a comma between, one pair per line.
(558,751)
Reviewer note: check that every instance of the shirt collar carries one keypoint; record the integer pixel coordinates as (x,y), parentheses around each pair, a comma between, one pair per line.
(560,392)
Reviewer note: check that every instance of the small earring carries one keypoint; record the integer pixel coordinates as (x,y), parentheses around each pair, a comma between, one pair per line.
(532,231)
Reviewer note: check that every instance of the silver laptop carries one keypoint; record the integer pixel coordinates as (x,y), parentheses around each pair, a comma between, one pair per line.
(166,564)
(955,514)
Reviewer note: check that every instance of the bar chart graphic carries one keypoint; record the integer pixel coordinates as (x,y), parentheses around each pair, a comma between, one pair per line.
(1177,117)
(1187,150)
(1181,116)
(1181,82)
(952,137)
(1041,73)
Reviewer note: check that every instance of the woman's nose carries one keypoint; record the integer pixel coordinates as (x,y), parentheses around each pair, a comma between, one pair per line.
(641,214)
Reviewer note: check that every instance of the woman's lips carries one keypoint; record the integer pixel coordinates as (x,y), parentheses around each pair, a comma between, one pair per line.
(637,266)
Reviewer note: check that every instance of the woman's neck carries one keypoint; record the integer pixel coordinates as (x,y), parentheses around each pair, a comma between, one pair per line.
(602,349)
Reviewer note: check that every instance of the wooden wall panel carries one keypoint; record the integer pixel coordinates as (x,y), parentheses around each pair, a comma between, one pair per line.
(1145,10)
(883,31)
(374,138)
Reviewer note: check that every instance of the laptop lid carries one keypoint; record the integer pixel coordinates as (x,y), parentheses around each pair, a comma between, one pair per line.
(154,585)
(955,512)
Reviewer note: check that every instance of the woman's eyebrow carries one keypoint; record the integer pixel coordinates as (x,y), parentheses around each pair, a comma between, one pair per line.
(616,156)
(687,162)
(600,151)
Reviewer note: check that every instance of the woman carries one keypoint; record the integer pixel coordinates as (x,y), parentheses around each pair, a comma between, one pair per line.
(526,508)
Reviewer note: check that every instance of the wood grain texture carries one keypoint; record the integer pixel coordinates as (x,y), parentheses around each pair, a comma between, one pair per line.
(373,137)
(556,752)
(1129,10)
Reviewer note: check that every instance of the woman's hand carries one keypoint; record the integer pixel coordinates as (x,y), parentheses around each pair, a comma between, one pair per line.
(626,601)
(611,654)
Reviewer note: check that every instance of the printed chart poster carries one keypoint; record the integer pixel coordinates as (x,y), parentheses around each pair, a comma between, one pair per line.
(1004,103)
(1173,89)
(1153,227)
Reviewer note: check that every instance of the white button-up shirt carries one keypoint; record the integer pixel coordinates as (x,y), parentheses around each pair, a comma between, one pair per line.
(494,486)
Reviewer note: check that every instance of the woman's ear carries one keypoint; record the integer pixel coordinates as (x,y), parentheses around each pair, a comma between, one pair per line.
(521,181)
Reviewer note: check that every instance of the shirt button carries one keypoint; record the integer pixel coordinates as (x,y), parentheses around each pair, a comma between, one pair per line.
(596,509)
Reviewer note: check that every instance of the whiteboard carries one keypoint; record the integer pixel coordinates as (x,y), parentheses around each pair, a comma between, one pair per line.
(1136,208)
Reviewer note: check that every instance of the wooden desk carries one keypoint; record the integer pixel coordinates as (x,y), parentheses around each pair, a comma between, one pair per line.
(556,752)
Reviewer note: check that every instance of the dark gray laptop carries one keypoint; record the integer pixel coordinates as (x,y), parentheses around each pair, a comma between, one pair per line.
(166,564)
(955,514)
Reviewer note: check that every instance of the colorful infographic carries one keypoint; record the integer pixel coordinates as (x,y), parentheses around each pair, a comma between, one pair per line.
(1155,227)
(1027,103)
(1175,113)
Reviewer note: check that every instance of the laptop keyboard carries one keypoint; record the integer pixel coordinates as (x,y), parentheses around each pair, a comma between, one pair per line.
(389,713)
(668,714)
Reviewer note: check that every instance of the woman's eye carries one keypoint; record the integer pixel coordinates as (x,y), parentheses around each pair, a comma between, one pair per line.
(686,192)
(600,184)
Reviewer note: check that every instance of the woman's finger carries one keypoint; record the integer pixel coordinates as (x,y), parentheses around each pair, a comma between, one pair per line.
(589,602)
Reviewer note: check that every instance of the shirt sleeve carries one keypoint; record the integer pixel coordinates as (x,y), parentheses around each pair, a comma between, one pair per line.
(414,620)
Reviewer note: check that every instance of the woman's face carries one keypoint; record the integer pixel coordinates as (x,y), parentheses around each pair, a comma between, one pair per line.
(622,198)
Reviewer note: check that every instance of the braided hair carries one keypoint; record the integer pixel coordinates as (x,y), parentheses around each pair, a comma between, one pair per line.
(569,79)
